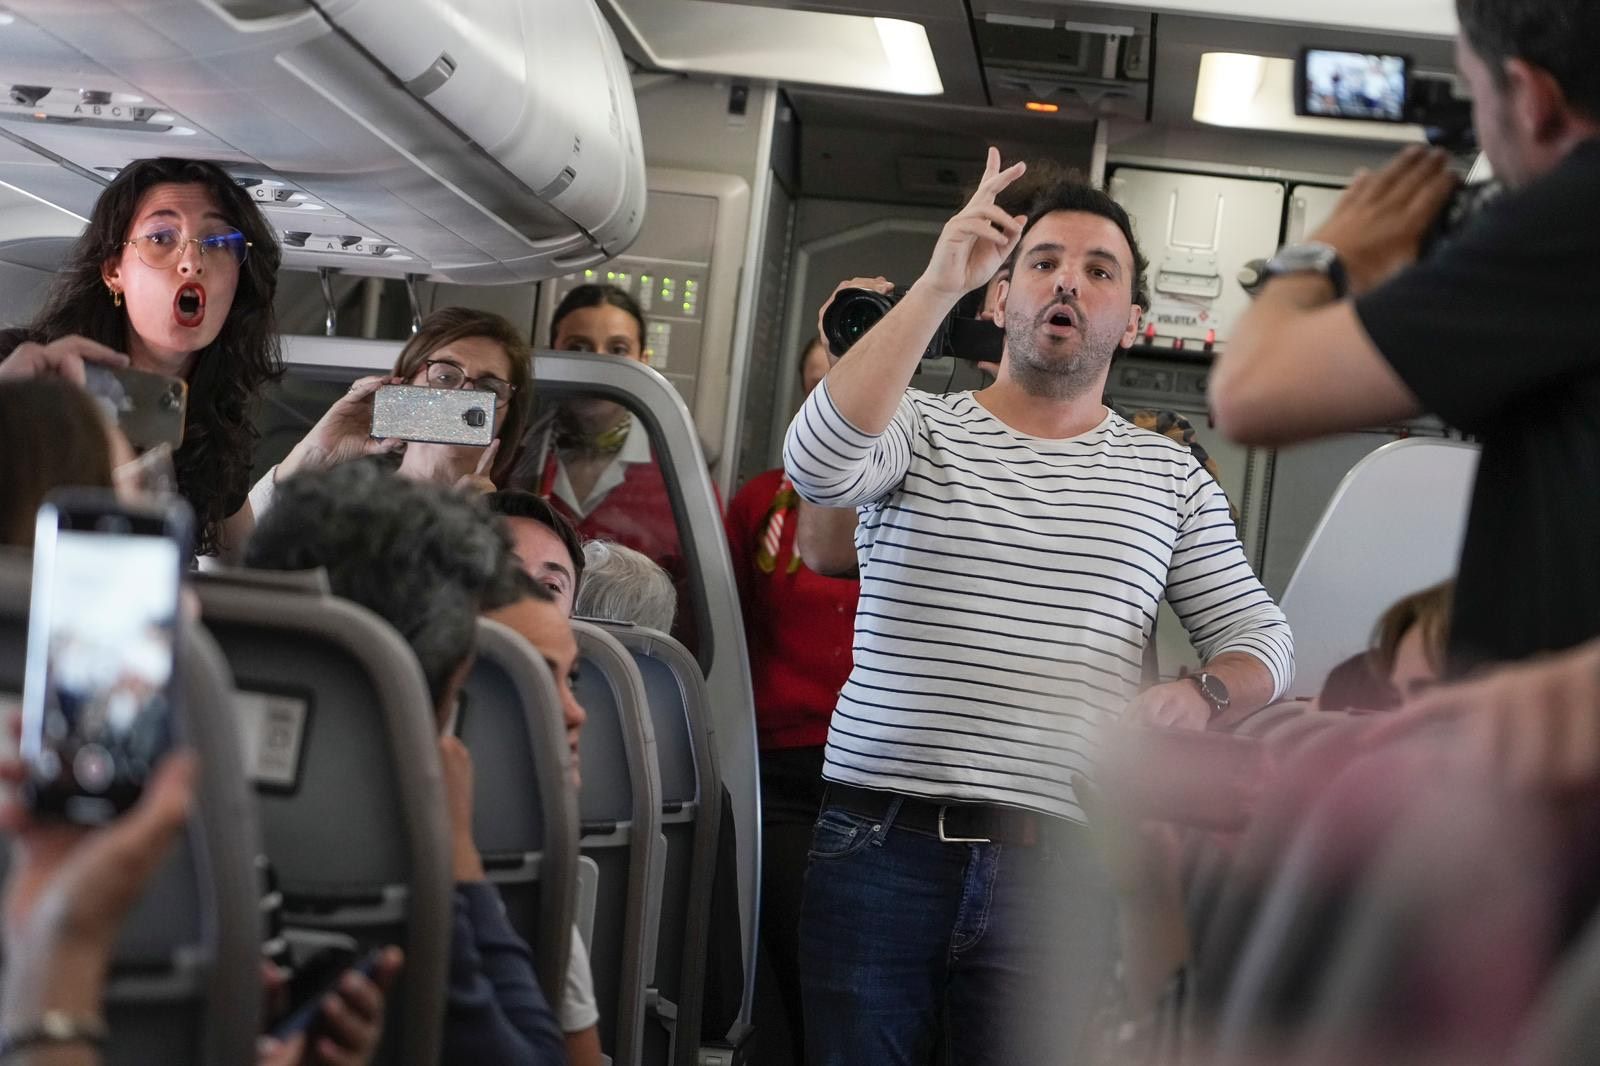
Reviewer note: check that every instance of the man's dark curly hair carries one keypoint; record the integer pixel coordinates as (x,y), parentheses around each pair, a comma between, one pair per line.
(424,558)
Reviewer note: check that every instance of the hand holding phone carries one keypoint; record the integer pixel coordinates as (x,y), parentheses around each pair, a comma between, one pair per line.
(101,686)
(149,408)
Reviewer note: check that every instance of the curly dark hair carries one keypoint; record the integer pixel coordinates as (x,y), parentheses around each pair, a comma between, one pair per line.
(213,466)
(1071,193)
(424,558)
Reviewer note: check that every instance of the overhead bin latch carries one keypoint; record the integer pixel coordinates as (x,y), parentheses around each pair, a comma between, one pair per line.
(438,72)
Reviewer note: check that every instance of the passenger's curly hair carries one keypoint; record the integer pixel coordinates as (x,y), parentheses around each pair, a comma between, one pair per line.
(425,558)
(214,463)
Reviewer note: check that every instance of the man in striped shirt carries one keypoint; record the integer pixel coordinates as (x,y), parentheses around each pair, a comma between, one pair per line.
(1014,546)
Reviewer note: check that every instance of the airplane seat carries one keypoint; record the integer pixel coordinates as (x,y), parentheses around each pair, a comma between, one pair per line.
(185,980)
(344,756)
(619,809)
(691,790)
(1394,526)
(525,815)
(1565,1029)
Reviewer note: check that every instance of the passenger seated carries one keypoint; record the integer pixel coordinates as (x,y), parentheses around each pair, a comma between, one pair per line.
(51,435)
(175,274)
(541,620)
(544,544)
(453,348)
(591,457)
(622,585)
(428,561)
(1407,656)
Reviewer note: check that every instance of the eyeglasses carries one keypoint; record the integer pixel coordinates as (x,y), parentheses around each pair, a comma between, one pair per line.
(444,374)
(162,248)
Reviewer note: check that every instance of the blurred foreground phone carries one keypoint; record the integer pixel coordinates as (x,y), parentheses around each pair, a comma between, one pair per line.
(100,689)
(149,408)
(1370,87)
(434,416)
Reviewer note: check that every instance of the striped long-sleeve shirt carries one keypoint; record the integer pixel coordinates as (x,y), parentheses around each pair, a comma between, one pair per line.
(1009,585)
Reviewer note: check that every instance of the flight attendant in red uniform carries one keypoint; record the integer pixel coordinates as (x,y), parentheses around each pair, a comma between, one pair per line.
(592,458)
(799,627)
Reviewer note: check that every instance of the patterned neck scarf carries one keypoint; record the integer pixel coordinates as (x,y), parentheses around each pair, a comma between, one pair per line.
(569,438)
(783,502)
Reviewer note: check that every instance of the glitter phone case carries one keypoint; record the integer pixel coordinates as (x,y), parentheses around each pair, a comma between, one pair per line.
(433,416)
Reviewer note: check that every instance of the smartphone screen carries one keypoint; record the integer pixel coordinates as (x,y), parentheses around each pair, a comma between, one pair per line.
(1355,85)
(98,700)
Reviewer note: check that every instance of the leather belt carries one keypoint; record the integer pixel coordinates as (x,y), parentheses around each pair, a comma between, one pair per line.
(953,823)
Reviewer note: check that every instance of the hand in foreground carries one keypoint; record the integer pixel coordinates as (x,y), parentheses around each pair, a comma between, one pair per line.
(343,433)
(1175,705)
(978,240)
(64,358)
(70,889)
(1380,221)
(349,1027)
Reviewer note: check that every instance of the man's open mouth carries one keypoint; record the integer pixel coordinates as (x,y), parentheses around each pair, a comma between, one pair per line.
(189,306)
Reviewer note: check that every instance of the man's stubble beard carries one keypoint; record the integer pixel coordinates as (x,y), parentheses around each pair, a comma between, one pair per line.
(1062,377)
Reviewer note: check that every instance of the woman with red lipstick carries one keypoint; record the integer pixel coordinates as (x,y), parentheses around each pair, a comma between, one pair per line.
(175,275)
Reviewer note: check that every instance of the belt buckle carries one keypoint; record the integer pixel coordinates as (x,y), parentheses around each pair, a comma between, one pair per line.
(948,839)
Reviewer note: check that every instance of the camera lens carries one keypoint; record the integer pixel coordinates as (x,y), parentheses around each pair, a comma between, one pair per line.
(852,313)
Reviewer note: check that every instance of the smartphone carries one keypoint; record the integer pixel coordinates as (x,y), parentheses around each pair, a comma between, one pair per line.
(101,688)
(311,982)
(149,408)
(1371,87)
(434,416)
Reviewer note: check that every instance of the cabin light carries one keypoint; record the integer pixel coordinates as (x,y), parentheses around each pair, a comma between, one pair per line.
(911,63)
(1257,93)
(1042,107)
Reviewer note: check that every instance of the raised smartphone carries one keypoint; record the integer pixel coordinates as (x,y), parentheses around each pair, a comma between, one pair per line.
(100,689)
(434,416)
(149,408)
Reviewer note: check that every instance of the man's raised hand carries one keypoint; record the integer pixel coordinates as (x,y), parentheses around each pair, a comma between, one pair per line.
(979,239)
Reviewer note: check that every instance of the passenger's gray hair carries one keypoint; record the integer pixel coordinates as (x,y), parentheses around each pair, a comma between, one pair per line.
(422,557)
(622,585)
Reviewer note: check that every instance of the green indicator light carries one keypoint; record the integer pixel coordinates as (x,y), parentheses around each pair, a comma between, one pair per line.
(665,295)
(611,275)
(588,273)
(644,279)
(687,306)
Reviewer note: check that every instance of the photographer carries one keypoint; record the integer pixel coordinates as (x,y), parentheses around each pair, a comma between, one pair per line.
(1491,333)
(1015,545)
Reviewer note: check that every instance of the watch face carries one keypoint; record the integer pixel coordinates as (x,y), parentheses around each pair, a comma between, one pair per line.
(1214,690)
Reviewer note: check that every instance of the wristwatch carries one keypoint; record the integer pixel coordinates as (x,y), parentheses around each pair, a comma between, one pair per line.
(1313,257)
(1213,691)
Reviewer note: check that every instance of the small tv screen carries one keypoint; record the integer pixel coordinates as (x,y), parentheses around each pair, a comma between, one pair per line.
(1353,85)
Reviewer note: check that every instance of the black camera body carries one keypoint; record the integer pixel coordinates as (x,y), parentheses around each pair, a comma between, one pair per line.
(1375,87)
(855,311)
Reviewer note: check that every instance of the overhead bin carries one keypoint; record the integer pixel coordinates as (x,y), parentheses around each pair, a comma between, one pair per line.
(473,141)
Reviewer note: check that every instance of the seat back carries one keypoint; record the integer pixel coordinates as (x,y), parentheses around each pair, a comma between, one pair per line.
(619,812)
(691,790)
(344,754)
(185,979)
(524,811)
(1394,526)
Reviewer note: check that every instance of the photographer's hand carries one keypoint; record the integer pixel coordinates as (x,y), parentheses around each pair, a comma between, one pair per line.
(1380,221)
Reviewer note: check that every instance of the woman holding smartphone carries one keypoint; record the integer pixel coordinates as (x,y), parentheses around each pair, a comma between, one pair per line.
(453,348)
(174,275)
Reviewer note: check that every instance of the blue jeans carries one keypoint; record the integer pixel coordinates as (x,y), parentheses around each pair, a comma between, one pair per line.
(913,950)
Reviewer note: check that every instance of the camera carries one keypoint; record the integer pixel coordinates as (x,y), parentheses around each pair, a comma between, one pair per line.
(962,334)
(1377,87)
